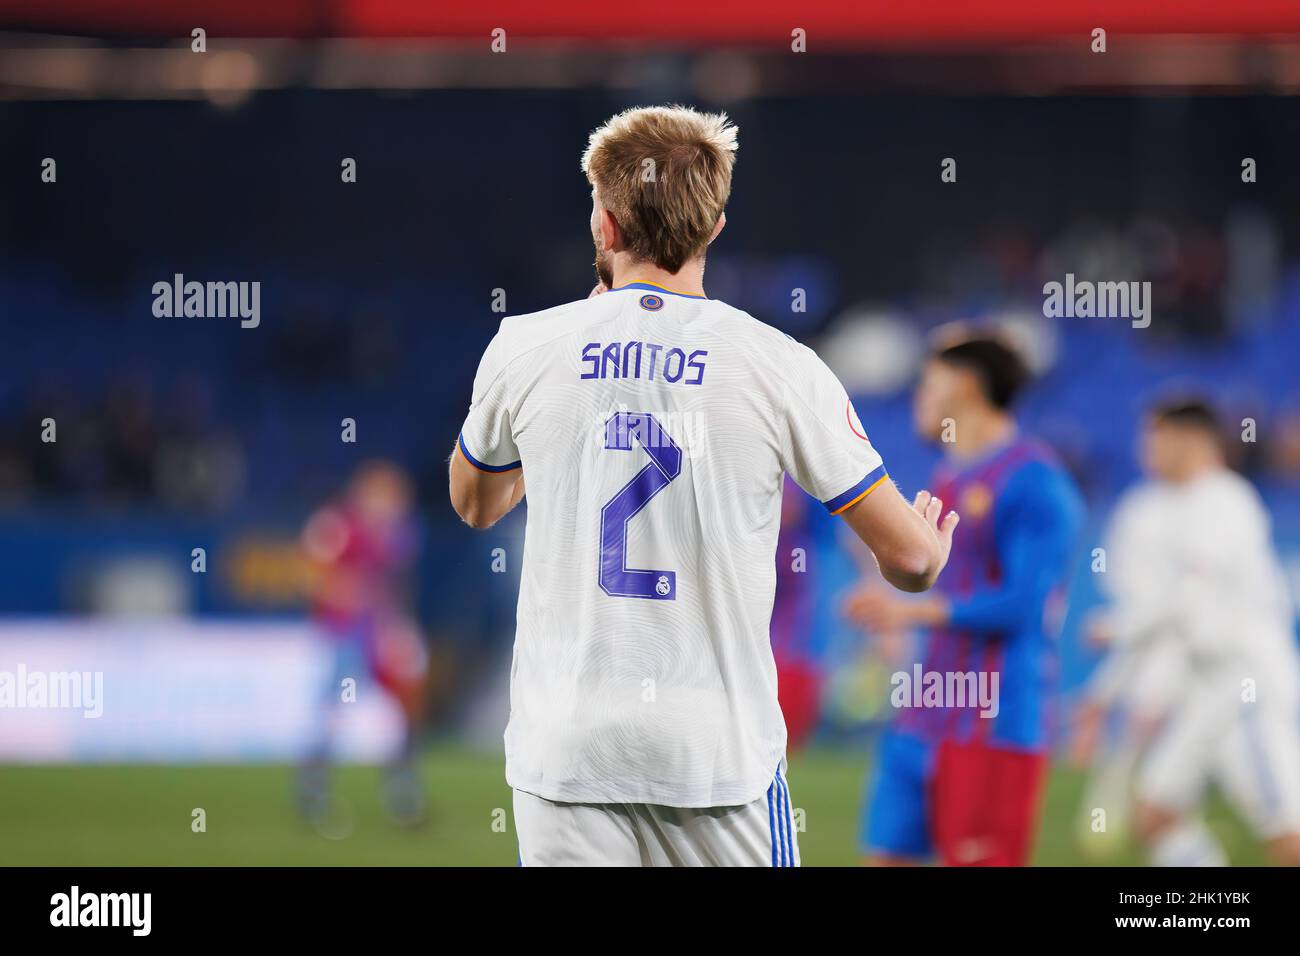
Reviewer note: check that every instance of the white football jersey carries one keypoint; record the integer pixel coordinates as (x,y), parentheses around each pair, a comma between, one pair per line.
(654,430)
(1196,562)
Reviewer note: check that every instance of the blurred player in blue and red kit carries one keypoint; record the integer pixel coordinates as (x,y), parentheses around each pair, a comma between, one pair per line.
(795,644)
(362,546)
(958,781)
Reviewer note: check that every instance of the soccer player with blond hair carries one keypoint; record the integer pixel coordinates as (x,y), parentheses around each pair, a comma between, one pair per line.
(655,426)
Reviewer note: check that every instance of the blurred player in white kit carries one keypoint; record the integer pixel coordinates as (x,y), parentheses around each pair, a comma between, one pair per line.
(1204,649)
(1127,701)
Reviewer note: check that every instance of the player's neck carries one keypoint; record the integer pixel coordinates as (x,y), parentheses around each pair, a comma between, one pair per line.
(1198,469)
(981,433)
(688,280)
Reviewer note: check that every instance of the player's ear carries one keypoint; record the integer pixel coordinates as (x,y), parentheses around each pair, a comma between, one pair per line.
(610,234)
(971,388)
(722,221)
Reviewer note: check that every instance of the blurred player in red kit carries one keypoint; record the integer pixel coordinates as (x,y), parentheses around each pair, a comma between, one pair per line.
(362,546)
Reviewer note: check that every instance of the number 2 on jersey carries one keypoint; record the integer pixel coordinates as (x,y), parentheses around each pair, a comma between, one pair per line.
(616,578)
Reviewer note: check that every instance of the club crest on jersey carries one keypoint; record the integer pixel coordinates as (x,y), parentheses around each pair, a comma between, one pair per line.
(976,501)
(652,303)
(855,423)
(662,586)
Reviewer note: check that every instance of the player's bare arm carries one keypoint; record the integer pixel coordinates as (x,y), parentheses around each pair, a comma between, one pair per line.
(482,498)
(911,543)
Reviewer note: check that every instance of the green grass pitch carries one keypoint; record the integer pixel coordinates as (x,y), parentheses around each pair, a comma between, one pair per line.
(141,815)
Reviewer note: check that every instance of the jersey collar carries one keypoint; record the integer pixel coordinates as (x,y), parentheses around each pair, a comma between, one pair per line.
(958,468)
(652,287)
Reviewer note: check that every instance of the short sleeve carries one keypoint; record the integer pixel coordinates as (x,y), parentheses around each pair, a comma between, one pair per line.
(828,452)
(486,439)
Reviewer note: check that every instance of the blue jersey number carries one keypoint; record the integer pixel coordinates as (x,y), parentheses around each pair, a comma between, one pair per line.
(616,578)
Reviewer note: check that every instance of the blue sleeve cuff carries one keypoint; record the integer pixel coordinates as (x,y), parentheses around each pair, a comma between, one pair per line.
(846,500)
(483,466)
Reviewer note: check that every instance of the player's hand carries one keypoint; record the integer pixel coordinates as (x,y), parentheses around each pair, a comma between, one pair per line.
(882,611)
(910,542)
(597,290)
(855,607)
(940,525)
(877,610)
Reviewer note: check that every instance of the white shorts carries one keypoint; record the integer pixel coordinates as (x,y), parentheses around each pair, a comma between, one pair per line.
(1250,754)
(761,833)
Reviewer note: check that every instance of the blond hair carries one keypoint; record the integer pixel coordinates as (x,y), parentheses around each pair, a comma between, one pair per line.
(664,174)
